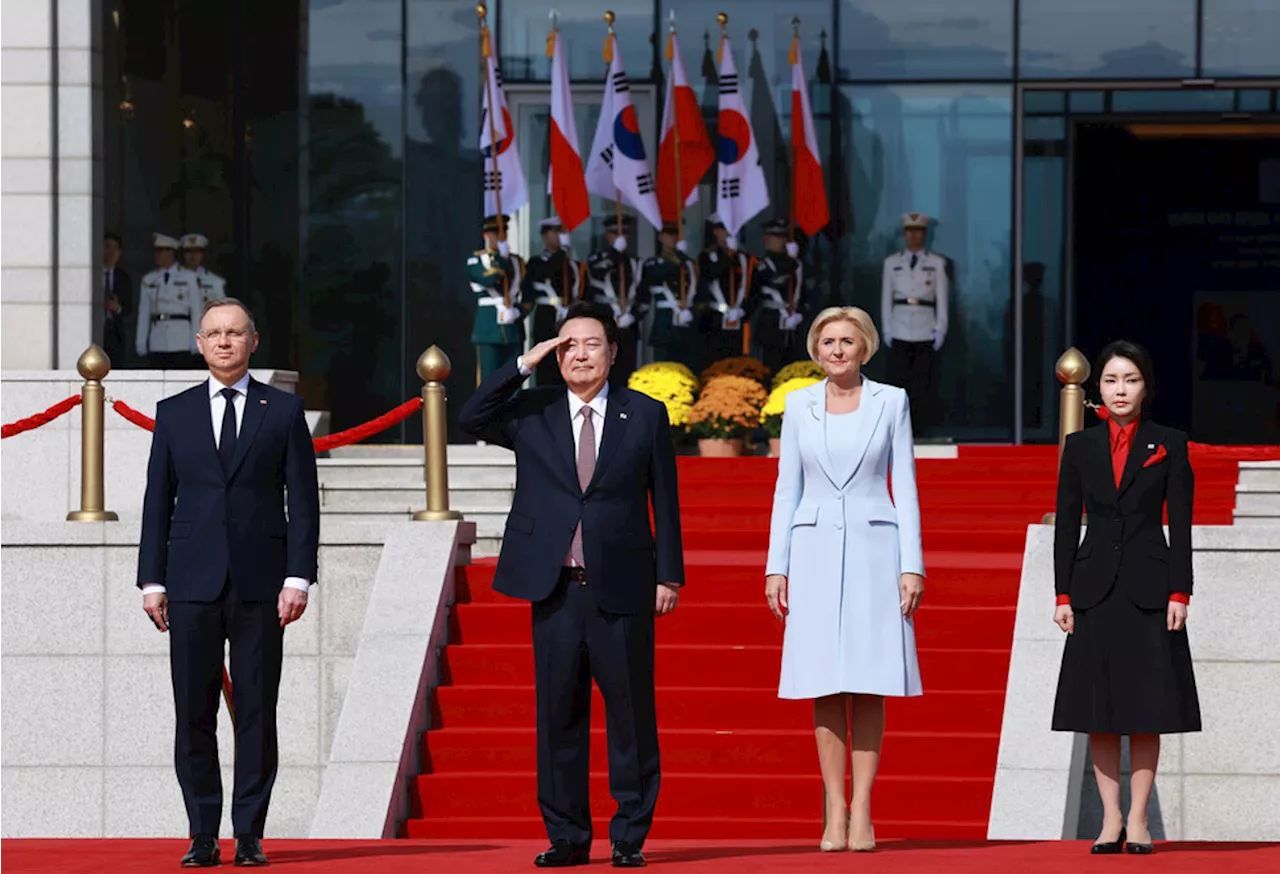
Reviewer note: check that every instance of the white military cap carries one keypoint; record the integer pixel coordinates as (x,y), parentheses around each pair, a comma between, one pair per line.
(195,241)
(551,223)
(915,220)
(163,241)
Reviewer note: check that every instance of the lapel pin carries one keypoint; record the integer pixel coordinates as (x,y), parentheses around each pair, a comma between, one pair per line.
(263,402)
(1149,445)
(622,415)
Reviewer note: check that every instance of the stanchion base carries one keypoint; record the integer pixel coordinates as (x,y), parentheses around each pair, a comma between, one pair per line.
(92,516)
(436,516)
(1049,519)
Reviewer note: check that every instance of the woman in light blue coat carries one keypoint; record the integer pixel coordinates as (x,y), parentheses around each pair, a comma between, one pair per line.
(845,569)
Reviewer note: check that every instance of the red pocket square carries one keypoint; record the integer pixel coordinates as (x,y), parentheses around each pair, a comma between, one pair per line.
(1156,457)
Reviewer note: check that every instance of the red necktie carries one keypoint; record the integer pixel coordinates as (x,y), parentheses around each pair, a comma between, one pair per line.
(1120,454)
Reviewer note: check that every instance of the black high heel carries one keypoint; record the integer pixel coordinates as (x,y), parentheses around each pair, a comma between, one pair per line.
(1109,848)
(1139,849)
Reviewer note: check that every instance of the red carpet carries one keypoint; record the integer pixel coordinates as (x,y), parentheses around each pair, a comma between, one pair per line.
(739,857)
(737,762)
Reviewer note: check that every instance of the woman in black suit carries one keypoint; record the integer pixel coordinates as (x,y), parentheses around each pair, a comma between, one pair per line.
(1123,592)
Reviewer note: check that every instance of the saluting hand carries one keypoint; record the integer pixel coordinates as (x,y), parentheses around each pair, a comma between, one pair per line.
(531,358)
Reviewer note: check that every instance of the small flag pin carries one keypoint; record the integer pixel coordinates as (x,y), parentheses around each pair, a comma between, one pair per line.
(622,415)
(264,403)
(1149,445)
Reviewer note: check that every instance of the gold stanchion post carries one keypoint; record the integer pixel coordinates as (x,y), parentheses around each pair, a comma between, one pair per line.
(1073,371)
(434,368)
(94,365)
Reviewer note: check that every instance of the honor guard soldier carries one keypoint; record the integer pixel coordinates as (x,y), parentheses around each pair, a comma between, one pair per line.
(550,284)
(671,335)
(725,279)
(777,299)
(913,315)
(613,279)
(211,285)
(169,310)
(495,275)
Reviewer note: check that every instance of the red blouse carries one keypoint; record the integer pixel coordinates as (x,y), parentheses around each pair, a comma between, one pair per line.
(1121,440)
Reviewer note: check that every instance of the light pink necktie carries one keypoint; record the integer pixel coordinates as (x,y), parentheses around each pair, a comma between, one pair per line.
(586,469)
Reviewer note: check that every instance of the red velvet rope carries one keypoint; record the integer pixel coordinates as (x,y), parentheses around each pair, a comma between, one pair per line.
(32,422)
(1210,450)
(322,444)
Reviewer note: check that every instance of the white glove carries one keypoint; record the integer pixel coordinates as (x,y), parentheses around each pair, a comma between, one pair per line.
(793,249)
(566,241)
(684,316)
(626,320)
(503,249)
(793,320)
(620,244)
(731,243)
(682,246)
(560,312)
(887,340)
(734,315)
(937,341)
(510,316)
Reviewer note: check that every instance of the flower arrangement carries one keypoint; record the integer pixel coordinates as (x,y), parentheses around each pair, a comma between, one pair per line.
(671,383)
(771,414)
(751,368)
(796,370)
(728,408)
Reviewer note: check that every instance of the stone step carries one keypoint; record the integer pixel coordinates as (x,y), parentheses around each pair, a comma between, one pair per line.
(1260,475)
(458,451)
(490,521)
(408,473)
(1248,518)
(362,498)
(1255,501)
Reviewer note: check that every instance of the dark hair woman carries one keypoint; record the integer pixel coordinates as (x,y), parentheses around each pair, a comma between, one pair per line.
(1123,592)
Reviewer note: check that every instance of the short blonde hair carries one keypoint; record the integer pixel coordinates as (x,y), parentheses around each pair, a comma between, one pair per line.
(861,321)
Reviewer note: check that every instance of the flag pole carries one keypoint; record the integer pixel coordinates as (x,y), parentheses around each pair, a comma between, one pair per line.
(486,49)
(675,130)
(723,21)
(564,262)
(791,210)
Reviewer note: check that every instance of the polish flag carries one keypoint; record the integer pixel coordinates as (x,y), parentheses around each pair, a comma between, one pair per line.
(498,134)
(682,119)
(618,166)
(808,191)
(565,181)
(741,191)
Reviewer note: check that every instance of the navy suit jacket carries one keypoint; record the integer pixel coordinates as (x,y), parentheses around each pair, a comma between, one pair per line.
(201,527)
(625,557)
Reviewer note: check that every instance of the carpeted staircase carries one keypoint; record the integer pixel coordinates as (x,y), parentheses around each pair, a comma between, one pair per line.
(737,762)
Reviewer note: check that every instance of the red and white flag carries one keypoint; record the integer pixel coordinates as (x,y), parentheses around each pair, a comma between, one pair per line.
(741,191)
(808,191)
(682,122)
(497,133)
(618,166)
(565,181)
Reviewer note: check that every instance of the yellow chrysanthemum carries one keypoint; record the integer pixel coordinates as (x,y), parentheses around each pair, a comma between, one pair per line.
(796,370)
(771,414)
(673,386)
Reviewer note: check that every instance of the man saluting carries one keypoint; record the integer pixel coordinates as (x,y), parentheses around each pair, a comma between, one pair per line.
(579,546)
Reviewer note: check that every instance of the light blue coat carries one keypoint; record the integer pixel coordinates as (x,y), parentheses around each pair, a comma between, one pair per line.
(843,544)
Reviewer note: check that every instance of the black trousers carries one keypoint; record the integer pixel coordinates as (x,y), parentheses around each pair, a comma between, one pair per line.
(573,642)
(197,634)
(911,367)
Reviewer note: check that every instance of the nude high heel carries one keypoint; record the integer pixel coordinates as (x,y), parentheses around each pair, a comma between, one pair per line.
(858,846)
(825,845)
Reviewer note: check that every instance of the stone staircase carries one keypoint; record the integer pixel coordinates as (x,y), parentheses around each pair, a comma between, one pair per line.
(373,483)
(1258,493)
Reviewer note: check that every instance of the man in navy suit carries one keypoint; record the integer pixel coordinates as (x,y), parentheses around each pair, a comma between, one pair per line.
(221,561)
(579,546)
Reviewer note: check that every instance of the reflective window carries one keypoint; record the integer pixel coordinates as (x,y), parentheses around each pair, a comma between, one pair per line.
(1088,101)
(523,27)
(1045,101)
(935,39)
(1170,100)
(1107,39)
(1241,38)
(1255,100)
(945,151)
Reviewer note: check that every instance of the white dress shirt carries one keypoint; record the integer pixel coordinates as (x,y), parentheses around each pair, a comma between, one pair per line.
(218,409)
(599,404)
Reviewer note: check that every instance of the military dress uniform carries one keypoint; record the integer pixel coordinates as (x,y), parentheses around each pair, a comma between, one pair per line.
(211,285)
(613,279)
(550,284)
(774,323)
(913,319)
(720,305)
(169,312)
(498,328)
(671,335)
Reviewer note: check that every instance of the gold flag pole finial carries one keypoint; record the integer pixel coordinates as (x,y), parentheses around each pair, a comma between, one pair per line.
(610,18)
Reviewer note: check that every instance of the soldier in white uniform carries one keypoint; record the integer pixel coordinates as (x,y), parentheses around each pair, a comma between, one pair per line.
(913,315)
(211,285)
(169,310)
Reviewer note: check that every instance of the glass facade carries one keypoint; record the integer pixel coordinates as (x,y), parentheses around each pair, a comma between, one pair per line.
(329,151)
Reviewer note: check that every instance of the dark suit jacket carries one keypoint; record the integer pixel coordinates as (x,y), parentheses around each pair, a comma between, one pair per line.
(625,558)
(1124,543)
(200,526)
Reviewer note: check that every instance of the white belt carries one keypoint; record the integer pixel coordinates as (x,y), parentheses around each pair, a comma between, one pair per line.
(489,302)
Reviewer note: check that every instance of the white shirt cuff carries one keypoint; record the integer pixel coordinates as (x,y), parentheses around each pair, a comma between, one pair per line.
(297,583)
(524,371)
(153,589)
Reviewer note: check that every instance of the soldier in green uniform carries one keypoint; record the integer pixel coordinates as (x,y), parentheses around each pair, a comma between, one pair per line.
(613,277)
(495,275)
(672,336)
(724,275)
(776,305)
(550,284)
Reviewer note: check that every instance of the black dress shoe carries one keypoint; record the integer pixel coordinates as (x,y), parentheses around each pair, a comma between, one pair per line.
(204,853)
(249,852)
(1139,849)
(1109,848)
(627,855)
(563,854)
